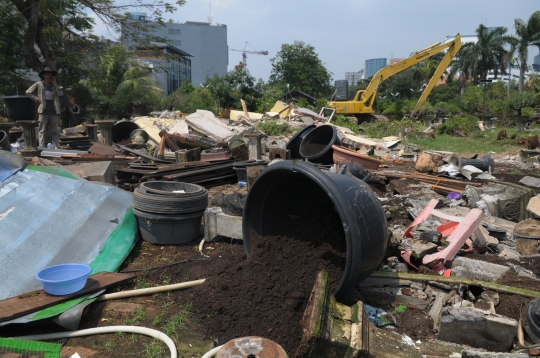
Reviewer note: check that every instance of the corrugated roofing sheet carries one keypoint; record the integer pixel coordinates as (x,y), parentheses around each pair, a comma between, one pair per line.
(47,219)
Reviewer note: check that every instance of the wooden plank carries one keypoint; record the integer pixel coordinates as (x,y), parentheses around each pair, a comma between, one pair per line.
(34,301)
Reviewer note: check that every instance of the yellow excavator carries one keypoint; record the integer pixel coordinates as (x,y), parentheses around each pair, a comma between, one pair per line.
(362,104)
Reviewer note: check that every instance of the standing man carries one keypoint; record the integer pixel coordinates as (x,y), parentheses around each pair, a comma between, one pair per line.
(47,92)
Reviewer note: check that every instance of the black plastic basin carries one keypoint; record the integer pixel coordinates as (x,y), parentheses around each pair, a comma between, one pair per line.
(287,195)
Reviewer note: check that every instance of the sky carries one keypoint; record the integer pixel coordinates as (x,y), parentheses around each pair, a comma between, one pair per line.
(345,33)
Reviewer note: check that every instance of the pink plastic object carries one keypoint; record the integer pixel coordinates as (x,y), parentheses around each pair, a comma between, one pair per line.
(458,233)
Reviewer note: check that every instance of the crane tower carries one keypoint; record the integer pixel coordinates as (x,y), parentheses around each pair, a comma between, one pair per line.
(245,53)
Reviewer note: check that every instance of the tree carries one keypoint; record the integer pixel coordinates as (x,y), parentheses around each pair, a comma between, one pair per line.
(528,34)
(102,78)
(237,84)
(299,66)
(137,89)
(488,53)
(462,63)
(12,68)
(58,30)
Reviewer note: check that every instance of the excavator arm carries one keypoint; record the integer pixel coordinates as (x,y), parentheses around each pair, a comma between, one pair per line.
(363,99)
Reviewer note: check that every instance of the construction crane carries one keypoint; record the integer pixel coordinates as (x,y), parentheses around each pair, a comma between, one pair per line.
(244,54)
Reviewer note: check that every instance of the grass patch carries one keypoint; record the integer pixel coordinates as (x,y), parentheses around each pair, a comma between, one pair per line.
(178,321)
(344,121)
(275,127)
(475,142)
(138,317)
(153,350)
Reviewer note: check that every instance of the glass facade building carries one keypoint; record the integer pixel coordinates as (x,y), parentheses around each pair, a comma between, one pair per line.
(373,65)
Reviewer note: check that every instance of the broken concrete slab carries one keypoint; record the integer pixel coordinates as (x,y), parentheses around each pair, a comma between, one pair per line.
(478,270)
(206,123)
(419,248)
(490,296)
(471,353)
(95,171)
(476,329)
(527,235)
(217,223)
(530,181)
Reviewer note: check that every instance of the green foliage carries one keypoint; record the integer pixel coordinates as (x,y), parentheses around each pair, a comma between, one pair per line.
(274,127)
(137,89)
(299,66)
(465,123)
(517,101)
(472,99)
(199,98)
(344,121)
(12,67)
(237,84)
(380,129)
(270,95)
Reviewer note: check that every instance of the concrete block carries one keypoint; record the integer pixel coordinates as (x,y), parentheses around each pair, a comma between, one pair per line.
(476,329)
(216,224)
(478,270)
(94,171)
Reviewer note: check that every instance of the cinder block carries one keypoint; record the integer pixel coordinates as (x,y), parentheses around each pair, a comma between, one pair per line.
(217,223)
(477,329)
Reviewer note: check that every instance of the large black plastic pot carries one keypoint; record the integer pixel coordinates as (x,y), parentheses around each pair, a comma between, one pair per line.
(316,146)
(122,130)
(21,108)
(287,190)
(4,141)
(169,229)
(296,140)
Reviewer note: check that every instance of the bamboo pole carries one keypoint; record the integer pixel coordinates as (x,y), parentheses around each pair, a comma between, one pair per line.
(488,285)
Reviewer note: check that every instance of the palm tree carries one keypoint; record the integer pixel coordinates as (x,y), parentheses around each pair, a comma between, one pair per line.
(528,34)
(489,53)
(462,63)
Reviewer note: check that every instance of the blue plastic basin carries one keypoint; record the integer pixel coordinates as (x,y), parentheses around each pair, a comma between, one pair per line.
(63,279)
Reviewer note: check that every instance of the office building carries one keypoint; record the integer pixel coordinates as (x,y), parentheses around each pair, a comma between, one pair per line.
(373,65)
(206,42)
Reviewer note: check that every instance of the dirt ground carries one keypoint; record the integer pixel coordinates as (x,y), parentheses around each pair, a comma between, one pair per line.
(263,295)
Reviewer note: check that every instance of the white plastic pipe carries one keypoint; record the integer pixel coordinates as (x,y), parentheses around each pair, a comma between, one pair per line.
(110,329)
(212,353)
(149,291)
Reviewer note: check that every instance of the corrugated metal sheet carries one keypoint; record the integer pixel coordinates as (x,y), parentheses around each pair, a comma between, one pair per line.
(47,219)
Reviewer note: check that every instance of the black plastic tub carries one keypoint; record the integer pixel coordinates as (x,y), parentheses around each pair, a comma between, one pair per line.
(290,190)
(316,146)
(166,197)
(4,141)
(169,229)
(121,130)
(294,144)
(21,108)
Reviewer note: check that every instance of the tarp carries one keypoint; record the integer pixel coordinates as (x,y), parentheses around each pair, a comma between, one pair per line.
(48,219)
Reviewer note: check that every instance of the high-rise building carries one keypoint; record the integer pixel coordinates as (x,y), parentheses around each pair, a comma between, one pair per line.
(394,60)
(206,42)
(373,65)
(352,78)
(536,63)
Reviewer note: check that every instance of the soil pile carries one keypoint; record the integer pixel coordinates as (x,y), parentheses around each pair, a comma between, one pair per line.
(266,294)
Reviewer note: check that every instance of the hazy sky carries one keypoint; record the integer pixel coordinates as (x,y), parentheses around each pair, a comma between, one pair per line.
(345,33)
